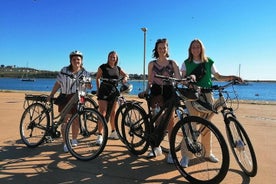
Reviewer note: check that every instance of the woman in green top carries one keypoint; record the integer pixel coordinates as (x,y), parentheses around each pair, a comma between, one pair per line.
(201,68)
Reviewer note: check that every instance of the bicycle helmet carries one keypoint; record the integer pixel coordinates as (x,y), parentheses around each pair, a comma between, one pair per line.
(126,88)
(75,53)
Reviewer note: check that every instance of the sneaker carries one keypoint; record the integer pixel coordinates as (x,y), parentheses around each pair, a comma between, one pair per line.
(65,149)
(113,135)
(74,143)
(157,151)
(213,158)
(184,162)
(169,159)
(99,140)
(240,145)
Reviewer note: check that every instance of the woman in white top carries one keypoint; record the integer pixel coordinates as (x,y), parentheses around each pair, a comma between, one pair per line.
(68,87)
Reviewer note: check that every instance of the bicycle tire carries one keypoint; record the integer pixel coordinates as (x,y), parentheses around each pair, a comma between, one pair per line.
(241,146)
(135,129)
(34,125)
(118,120)
(90,103)
(86,148)
(200,170)
(165,144)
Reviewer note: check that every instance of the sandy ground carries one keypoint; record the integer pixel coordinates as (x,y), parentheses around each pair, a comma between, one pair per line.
(48,163)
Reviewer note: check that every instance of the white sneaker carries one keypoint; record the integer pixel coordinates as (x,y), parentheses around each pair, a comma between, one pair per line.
(74,143)
(65,149)
(213,158)
(99,140)
(169,159)
(113,135)
(184,162)
(157,151)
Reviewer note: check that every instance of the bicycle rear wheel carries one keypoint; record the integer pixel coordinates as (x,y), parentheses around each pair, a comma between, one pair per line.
(85,148)
(135,129)
(34,124)
(241,147)
(118,120)
(197,167)
(90,103)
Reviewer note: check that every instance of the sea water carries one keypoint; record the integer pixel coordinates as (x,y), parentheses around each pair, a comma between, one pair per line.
(259,91)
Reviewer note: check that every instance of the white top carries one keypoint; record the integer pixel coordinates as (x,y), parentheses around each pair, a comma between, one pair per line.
(69,85)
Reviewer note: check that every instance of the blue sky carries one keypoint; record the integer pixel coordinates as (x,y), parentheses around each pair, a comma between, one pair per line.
(41,33)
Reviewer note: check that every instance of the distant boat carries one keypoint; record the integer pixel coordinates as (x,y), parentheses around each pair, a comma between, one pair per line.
(26,78)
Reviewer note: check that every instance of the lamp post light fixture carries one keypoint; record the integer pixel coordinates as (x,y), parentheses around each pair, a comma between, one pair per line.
(144,66)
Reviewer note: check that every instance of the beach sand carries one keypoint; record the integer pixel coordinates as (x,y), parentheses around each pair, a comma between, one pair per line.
(48,164)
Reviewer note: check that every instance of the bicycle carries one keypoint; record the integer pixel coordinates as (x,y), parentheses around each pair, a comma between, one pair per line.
(77,151)
(39,123)
(142,130)
(121,89)
(238,138)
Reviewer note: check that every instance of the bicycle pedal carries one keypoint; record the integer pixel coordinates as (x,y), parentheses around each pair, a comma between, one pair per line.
(49,139)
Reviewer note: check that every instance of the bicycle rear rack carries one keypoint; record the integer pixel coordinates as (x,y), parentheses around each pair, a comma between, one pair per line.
(30,99)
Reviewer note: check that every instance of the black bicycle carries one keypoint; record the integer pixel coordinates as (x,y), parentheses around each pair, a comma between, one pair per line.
(238,138)
(40,124)
(141,130)
(86,151)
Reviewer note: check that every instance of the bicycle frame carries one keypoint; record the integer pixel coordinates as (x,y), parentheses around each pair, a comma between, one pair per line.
(157,132)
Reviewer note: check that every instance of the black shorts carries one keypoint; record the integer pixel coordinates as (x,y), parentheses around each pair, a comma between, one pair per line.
(107,92)
(165,90)
(160,94)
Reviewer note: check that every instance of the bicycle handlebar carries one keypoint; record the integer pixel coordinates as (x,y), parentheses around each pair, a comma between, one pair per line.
(112,80)
(220,88)
(172,79)
(81,78)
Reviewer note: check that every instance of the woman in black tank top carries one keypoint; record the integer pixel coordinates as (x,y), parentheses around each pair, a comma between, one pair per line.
(107,92)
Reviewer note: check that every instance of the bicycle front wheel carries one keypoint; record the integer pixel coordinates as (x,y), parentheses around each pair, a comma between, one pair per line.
(90,103)
(81,129)
(201,143)
(241,146)
(34,124)
(118,120)
(135,129)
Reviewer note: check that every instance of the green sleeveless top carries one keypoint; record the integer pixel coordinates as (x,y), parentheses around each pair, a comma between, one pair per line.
(206,81)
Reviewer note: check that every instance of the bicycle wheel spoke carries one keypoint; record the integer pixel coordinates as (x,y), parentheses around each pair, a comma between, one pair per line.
(34,125)
(204,155)
(242,147)
(82,132)
(134,129)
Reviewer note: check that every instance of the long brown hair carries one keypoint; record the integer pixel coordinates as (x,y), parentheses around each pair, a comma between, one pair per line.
(203,56)
(109,54)
(155,52)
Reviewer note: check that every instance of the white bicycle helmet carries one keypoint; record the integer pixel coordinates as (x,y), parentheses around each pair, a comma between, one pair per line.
(75,53)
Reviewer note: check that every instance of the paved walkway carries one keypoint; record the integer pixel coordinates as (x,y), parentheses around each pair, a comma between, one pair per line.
(48,164)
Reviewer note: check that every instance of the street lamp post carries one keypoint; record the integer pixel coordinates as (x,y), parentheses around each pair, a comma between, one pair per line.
(144,69)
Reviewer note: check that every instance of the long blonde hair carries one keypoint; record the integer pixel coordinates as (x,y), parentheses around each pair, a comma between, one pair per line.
(203,56)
